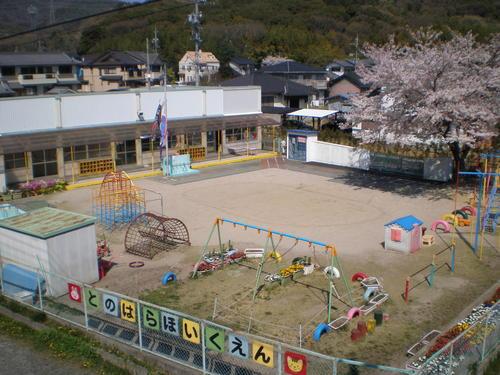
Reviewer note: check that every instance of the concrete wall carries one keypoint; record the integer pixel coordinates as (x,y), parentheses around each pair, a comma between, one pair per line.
(334,154)
(438,169)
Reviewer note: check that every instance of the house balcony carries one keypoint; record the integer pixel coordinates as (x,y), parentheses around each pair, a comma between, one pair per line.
(37,79)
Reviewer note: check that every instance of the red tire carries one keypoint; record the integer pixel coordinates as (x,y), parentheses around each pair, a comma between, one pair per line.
(358,276)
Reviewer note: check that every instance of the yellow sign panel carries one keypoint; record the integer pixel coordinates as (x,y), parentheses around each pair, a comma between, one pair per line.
(263,354)
(128,311)
(191,331)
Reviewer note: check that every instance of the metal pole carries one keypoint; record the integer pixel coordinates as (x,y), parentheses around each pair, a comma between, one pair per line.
(215,308)
(407,288)
(203,351)
(85,313)
(478,218)
(450,365)
(220,238)
(139,320)
(166,120)
(334,367)
(300,335)
(433,271)
(483,347)
(39,292)
(453,257)
(204,249)
(330,290)
(280,360)
(261,265)
(72,164)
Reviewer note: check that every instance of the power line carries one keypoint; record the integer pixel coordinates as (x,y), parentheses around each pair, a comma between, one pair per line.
(73,20)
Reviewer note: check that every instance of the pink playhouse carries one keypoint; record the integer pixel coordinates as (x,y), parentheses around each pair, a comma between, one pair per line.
(404,234)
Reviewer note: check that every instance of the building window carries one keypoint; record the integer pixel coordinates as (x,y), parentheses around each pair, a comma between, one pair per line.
(8,70)
(125,153)
(241,134)
(396,235)
(28,70)
(13,161)
(65,69)
(193,139)
(146,144)
(44,162)
(83,152)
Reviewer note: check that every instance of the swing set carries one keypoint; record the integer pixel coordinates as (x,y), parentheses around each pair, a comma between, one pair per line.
(486,200)
(271,253)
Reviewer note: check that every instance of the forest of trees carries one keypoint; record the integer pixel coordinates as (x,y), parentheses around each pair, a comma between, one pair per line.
(311,31)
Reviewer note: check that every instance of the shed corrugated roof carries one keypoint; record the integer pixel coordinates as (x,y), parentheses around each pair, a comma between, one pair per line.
(47,222)
(406,222)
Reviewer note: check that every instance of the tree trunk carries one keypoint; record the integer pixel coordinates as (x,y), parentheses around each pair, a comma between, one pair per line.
(459,154)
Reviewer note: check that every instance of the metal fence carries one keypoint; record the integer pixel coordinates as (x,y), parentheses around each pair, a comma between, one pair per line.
(467,351)
(199,344)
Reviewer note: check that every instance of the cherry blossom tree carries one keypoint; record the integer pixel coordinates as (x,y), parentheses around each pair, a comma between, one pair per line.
(431,91)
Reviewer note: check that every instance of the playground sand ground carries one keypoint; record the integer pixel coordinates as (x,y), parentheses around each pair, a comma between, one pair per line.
(327,209)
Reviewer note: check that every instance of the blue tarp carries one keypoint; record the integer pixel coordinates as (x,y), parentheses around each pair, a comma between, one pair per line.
(406,222)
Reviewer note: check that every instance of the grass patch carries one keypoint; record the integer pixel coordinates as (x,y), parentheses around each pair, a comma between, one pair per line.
(36,316)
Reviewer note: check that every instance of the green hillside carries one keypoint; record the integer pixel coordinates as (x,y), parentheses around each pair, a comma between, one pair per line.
(312,31)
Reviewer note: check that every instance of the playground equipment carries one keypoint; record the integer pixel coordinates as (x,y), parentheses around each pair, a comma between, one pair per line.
(299,265)
(168,277)
(486,200)
(178,165)
(403,234)
(432,268)
(441,224)
(117,201)
(148,234)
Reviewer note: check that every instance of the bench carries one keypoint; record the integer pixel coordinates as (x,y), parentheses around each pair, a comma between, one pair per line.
(22,284)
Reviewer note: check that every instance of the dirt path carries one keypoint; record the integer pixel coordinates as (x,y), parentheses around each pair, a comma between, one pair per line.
(18,358)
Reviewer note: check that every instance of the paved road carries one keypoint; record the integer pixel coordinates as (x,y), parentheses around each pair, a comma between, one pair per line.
(18,358)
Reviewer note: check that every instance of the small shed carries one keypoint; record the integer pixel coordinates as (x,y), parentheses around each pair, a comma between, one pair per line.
(59,243)
(297,144)
(404,234)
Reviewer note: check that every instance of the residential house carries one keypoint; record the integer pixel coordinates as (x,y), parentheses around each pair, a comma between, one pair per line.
(209,66)
(279,95)
(300,73)
(273,60)
(241,65)
(119,69)
(339,67)
(35,73)
(347,84)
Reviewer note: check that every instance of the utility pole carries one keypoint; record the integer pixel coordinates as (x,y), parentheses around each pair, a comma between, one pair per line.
(356,46)
(52,13)
(156,41)
(148,69)
(194,19)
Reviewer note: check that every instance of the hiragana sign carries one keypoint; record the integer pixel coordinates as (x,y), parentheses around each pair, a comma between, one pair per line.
(92,298)
(214,339)
(238,346)
(75,292)
(263,354)
(295,364)
(128,311)
(169,323)
(150,317)
(191,331)
(111,305)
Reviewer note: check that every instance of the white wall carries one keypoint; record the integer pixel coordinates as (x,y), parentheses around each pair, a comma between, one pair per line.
(22,114)
(239,100)
(73,255)
(340,155)
(22,249)
(404,246)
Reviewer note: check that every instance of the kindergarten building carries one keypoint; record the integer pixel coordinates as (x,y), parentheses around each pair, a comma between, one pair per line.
(75,135)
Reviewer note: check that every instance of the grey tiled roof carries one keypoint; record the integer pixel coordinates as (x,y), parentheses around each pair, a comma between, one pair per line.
(36,58)
(270,85)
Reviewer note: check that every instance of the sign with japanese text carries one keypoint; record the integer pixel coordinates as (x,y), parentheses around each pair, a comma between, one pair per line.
(191,331)
(150,317)
(238,346)
(169,323)
(92,298)
(214,339)
(111,305)
(128,311)
(263,353)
